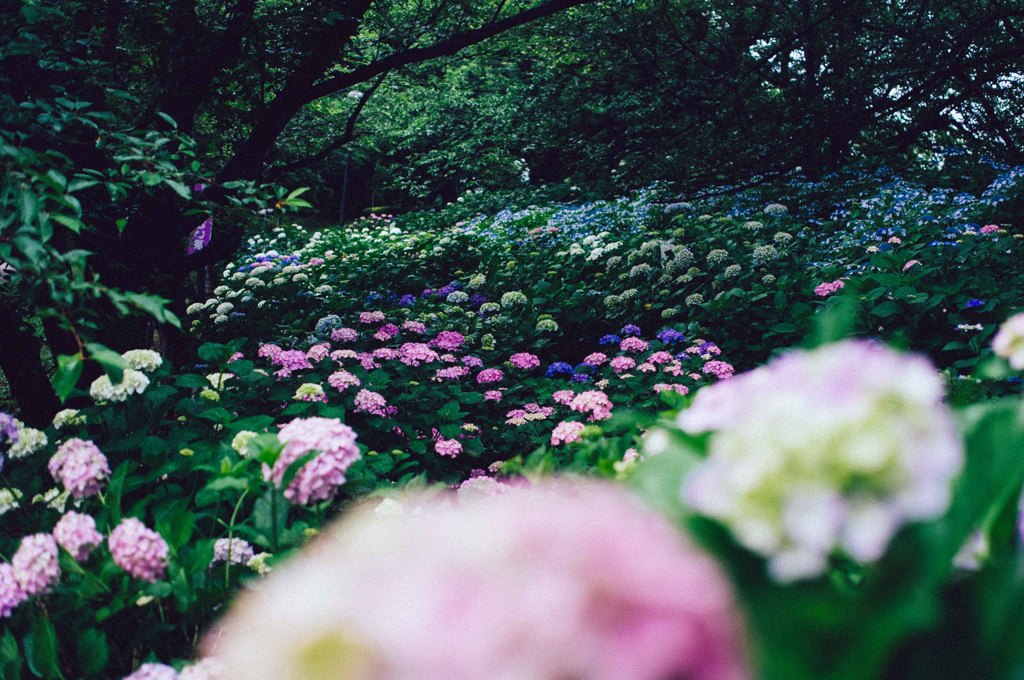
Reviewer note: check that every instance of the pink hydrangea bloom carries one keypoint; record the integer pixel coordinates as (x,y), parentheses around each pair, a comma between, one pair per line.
(77,534)
(448,447)
(367,361)
(492,395)
(990,229)
(647,368)
(35,564)
(826,289)
(910,264)
(342,380)
(449,358)
(140,551)
(11,593)
(672,387)
(489,375)
(153,671)
(386,332)
(565,432)
(371,402)
(621,364)
(232,550)
(416,353)
(659,358)
(516,416)
(292,360)
(319,351)
(344,335)
(319,479)
(80,467)
(596,359)
(451,373)
(340,355)
(448,340)
(675,368)
(563,397)
(594,403)
(414,327)
(371,317)
(268,351)
(557,580)
(482,485)
(524,361)
(385,354)
(719,369)
(633,344)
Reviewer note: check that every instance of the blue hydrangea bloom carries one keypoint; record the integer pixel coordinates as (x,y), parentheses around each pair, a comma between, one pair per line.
(609,340)
(558,368)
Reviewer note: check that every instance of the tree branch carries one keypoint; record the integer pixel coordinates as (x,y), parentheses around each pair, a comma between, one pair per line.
(442,48)
(347,136)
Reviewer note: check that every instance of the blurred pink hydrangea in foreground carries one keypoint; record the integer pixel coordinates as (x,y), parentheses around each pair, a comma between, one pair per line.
(823,451)
(558,580)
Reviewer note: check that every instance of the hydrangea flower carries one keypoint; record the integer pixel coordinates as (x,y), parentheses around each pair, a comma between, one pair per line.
(630,329)
(319,479)
(489,375)
(35,564)
(232,551)
(80,467)
(77,534)
(633,344)
(670,336)
(448,340)
(142,359)
(310,392)
(447,447)
(558,368)
(11,593)
(524,361)
(132,382)
(342,380)
(609,340)
(153,671)
(138,550)
(826,450)
(27,440)
(609,591)
(565,432)
(367,401)
(1009,341)
(826,289)
(594,403)
(344,335)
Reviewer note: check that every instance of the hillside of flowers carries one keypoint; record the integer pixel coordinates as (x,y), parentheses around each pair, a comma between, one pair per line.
(773,432)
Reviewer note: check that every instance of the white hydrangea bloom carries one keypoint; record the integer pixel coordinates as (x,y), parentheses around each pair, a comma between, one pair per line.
(824,451)
(68,416)
(30,440)
(132,381)
(1009,341)
(143,359)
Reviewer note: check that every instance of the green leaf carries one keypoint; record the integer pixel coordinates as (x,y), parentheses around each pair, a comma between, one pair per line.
(72,223)
(112,362)
(92,651)
(179,188)
(41,649)
(69,369)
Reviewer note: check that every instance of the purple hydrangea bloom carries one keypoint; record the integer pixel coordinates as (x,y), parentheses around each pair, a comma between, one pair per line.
(630,329)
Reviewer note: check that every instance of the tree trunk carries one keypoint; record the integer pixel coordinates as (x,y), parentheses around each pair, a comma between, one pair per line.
(22,366)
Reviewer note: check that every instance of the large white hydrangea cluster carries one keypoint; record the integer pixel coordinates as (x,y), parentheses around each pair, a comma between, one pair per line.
(823,452)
